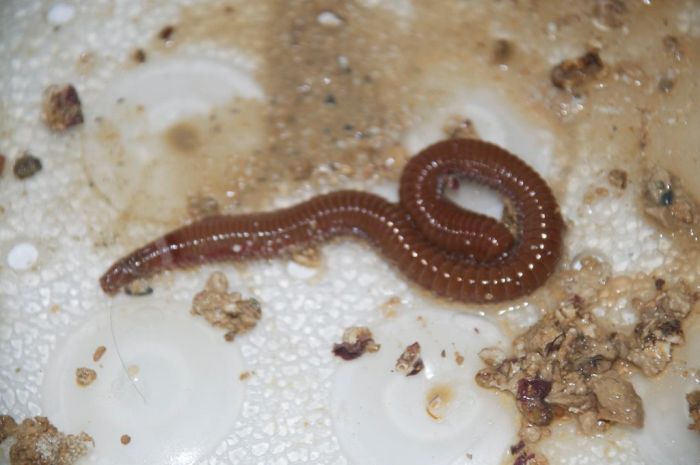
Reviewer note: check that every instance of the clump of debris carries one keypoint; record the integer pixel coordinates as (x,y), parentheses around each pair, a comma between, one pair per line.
(224,309)
(36,441)
(571,365)
(357,340)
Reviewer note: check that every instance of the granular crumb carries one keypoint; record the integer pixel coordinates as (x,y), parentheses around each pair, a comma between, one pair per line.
(200,206)
(618,178)
(356,341)
(138,287)
(26,166)
(459,127)
(166,33)
(227,310)
(388,308)
(459,358)
(139,55)
(410,363)
(667,202)
(85,376)
(125,439)
(99,352)
(38,442)
(571,74)
(61,108)
(309,257)
(245,375)
(693,399)
(502,51)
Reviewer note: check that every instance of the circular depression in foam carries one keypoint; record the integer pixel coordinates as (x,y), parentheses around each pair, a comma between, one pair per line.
(439,416)
(161,131)
(171,383)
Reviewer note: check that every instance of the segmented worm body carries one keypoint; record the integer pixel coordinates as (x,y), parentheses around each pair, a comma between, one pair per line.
(434,242)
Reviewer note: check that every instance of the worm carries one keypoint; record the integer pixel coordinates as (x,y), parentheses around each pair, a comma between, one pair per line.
(448,250)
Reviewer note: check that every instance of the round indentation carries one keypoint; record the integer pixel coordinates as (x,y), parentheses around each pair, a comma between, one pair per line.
(170,383)
(170,130)
(22,256)
(60,13)
(438,416)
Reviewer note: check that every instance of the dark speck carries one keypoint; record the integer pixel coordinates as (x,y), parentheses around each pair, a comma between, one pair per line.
(166,33)
(330,99)
(666,198)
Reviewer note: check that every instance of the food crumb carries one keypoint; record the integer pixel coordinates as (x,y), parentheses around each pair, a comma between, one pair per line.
(309,257)
(139,55)
(138,288)
(410,362)
(61,108)
(245,375)
(26,166)
(693,399)
(502,51)
(227,310)
(571,74)
(125,439)
(85,376)
(459,358)
(99,352)
(618,178)
(459,127)
(166,33)
(356,341)
(38,442)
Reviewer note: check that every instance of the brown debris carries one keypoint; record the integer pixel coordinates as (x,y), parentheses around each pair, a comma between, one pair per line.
(26,166)
(139,55)
(166,33)
(459,127)
(99,352)
(609,14)
(227,310)
(61,108)
(672,46)
(502,51)
(38,442)
(669,204)
(410,363)
(618,178)
(569,364)
(356,341)
(309,257)
(572,74)
(138,288)
(125,439)
(85,376)
(3,159)
(693,399)
(459,358)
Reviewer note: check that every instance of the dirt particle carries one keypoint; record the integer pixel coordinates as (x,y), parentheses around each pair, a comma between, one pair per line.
(26,166)
(410,362)
(459,127)
(61,108)
(99,352)
(227,310)
(693,399)
(38,442)
(3,159)
(139,55)
(438,401)
(138,288)
(672,46)
(183,138)
(85,376)
(309,257)
(609,14)
(459,359)
(572,74)
(502,51)
(356,341)
(618,178)
(166,33)
(245,375)
(666,84)
(125,439)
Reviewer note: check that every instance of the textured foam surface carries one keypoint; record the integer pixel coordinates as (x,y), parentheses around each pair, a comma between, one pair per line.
(52,245)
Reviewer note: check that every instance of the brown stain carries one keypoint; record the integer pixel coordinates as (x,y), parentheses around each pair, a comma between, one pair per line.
(183,138)
(438,400)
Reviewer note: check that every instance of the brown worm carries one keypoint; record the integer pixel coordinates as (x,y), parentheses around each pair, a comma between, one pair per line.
(442,247)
